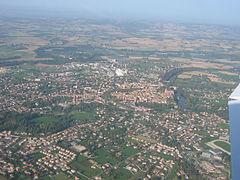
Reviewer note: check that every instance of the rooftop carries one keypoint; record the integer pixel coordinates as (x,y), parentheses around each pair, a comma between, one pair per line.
(236,94)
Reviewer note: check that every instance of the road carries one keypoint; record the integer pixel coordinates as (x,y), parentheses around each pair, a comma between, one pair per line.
(214,146)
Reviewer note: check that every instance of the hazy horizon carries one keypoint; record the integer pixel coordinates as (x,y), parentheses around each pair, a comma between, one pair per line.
(214,12)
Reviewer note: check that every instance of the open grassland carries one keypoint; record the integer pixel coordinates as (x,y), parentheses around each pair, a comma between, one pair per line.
(82,115)
(224,145)
(214,77)
(45,120)
(104,155)
(223,126)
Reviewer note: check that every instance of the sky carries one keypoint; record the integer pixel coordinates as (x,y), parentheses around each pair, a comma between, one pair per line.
(199,11)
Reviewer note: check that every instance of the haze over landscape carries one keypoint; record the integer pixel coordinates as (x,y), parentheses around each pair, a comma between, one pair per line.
(204,11)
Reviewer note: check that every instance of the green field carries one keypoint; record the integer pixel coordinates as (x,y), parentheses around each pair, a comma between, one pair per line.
(81,159)
(38,155)
(206,140)
(62,176)
(19,75)
(173,173)
(8,52)
(223,145)
(45,120)
(228,77)
(223,125)
(119,174)
(201,132)
(82,115)
(103,156)
(45,178)
(128,151)
(85,167)
(23,177)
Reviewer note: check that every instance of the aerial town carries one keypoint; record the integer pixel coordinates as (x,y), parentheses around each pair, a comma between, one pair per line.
(114,108)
